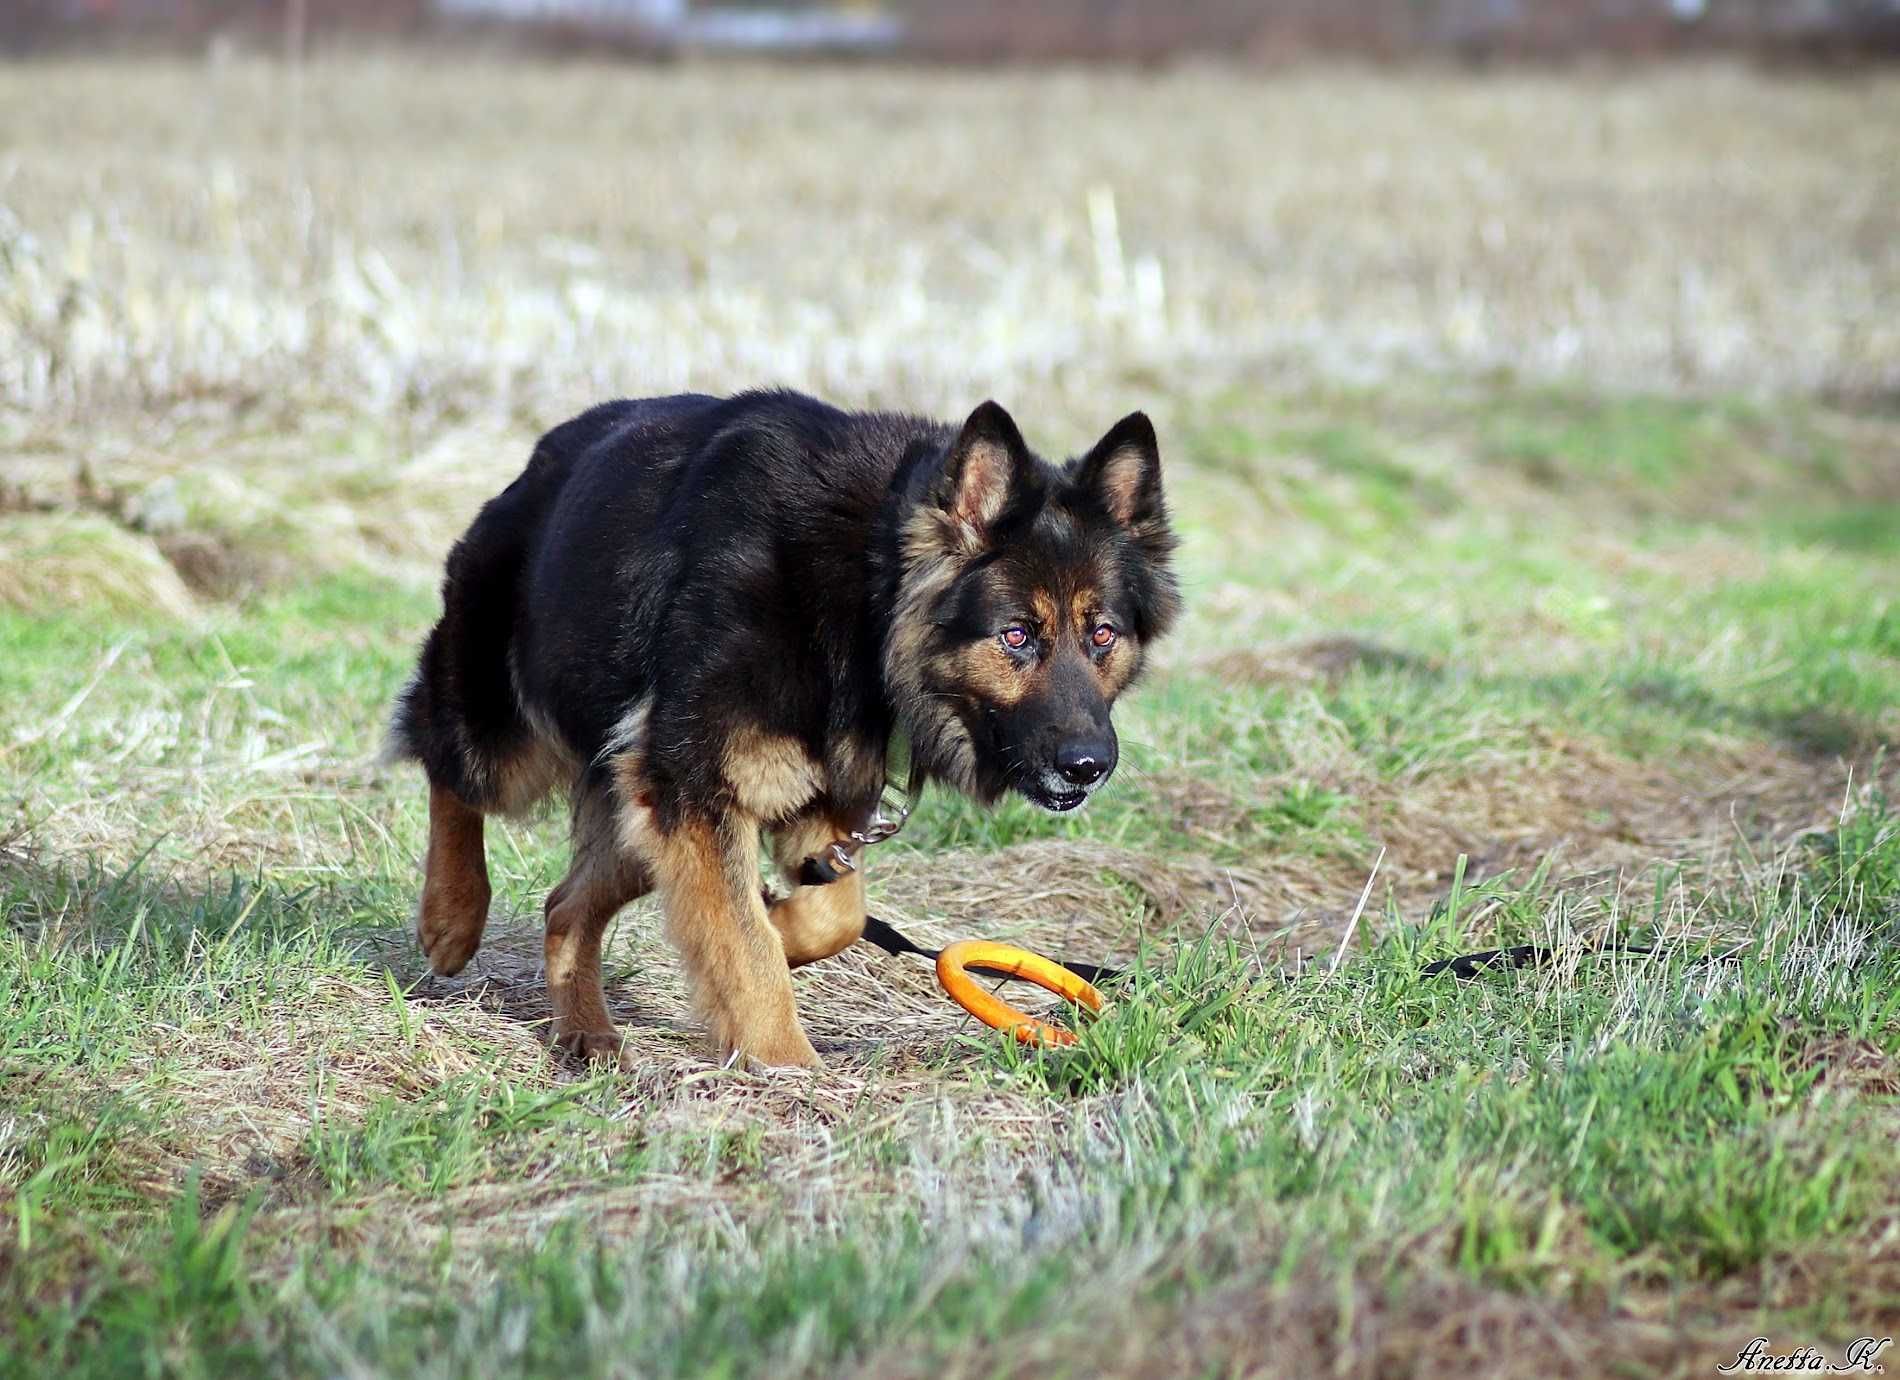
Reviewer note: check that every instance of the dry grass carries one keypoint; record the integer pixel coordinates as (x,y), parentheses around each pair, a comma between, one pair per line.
(455,237)
(74,560)
(271,344)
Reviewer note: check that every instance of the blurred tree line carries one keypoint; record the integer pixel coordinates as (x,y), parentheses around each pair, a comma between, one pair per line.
(976,30)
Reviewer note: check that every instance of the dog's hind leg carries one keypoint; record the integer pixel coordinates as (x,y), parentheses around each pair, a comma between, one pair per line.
(603,877)
(708,873)
(455,891)
(815,922)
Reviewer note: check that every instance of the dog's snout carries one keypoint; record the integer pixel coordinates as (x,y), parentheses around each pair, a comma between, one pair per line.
(1084,763)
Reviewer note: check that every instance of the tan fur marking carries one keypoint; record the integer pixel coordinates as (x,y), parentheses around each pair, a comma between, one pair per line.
(771,775)
(1121,482)
(982,488)
(1083,607)
(932,557)
(985,670)
(1114,667)
(910,629)
(455,892)
(527,776)
(716,917)
(815,922)
(1117,668)
(1043,608)
(927,546)
(634,823)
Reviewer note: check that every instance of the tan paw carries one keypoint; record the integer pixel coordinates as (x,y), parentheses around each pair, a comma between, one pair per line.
(597,1047)
(450,934)
(781,1049)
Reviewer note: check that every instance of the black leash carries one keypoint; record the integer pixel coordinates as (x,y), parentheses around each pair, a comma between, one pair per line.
(1469,966)
(1465,967)
(889,940)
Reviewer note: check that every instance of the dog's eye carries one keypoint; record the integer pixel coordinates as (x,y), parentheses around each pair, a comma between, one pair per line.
(1103,636)
(1015,637)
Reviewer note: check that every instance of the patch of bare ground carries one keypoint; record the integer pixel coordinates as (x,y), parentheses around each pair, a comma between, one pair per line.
(1541,794)
(871,1015)
(1856,1065)
(1597,810)
(1597,817)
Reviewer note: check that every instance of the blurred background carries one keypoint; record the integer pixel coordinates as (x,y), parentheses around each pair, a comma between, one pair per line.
(1147,30)
(431,214)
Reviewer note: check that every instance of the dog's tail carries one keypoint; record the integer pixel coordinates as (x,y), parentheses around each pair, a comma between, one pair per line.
(460,713)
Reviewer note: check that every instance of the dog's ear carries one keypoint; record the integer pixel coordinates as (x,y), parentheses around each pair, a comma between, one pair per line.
(1124,471)
(981,469)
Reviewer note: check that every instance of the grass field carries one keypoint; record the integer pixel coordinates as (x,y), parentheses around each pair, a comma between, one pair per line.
(1534,444)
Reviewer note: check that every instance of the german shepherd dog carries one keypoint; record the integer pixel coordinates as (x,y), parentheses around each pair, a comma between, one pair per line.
(708,617)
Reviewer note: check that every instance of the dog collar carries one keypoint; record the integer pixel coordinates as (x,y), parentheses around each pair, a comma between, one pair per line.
(895,801)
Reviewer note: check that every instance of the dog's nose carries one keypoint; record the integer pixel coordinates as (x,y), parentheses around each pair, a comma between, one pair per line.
(1082,764)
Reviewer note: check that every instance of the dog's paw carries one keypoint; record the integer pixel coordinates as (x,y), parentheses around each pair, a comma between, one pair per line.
(600,1048)
(449,924)
(447,942)
(779,1049)
(783,1068)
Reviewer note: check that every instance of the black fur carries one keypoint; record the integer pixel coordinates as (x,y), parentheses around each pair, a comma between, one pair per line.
(669,570)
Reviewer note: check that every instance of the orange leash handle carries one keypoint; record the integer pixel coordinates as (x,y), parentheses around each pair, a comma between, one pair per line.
(992,1010)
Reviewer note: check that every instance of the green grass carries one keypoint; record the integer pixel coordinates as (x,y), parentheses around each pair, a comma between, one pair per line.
(242,1132)
(1604,1131)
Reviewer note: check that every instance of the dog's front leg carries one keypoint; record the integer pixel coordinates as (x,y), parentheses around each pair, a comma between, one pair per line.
(708,873)
(815,922)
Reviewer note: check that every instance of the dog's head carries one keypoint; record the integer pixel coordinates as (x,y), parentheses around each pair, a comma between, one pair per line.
(1028,597)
